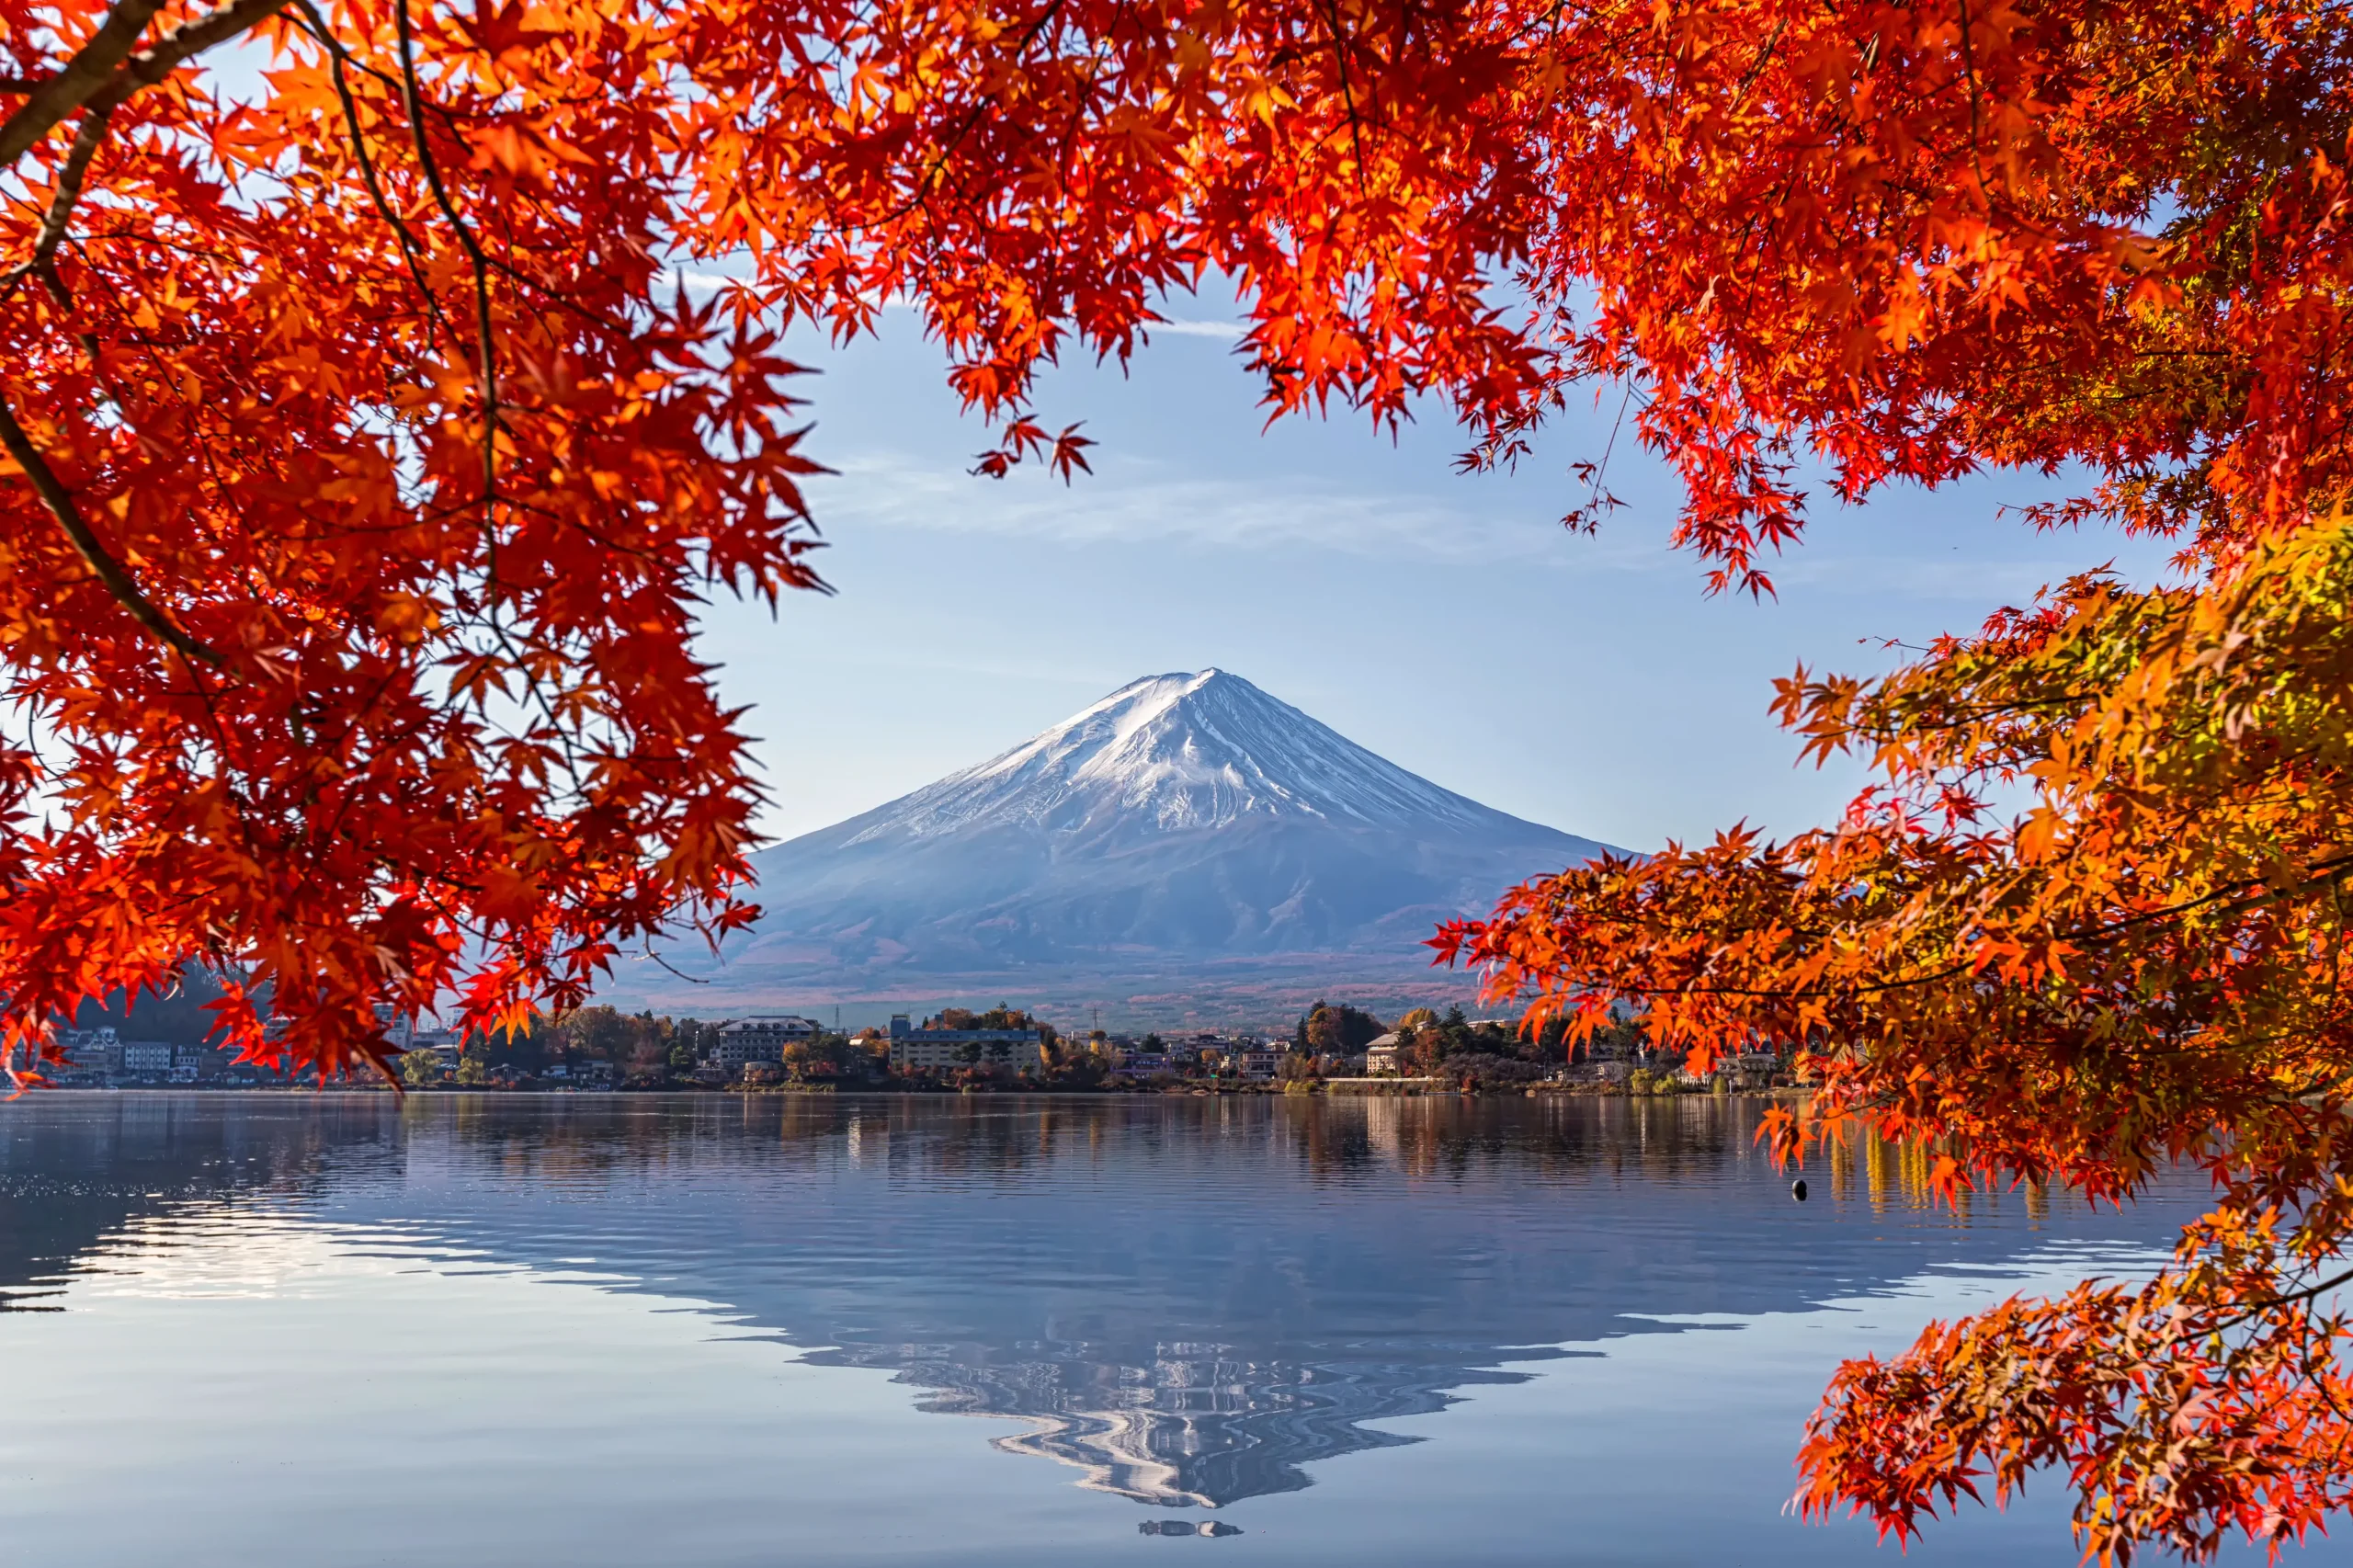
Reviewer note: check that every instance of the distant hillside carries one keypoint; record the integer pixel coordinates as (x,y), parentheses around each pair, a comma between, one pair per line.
(1188,844)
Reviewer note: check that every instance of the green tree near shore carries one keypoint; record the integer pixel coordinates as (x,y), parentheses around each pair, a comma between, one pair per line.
(1336,1029)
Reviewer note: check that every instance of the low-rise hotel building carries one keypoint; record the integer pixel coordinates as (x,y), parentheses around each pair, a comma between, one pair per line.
(939,1050)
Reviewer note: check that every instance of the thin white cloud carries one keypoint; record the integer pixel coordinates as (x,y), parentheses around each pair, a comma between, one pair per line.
(696,282)
(1131,502)
(1226,330)
(1973,580)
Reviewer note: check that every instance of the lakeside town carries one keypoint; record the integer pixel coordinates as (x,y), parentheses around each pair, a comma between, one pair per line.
(1332,1048)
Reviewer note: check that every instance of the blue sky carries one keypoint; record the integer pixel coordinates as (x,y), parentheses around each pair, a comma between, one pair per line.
(1450,624)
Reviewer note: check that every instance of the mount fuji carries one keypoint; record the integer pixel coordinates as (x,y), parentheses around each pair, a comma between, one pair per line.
(1188,834)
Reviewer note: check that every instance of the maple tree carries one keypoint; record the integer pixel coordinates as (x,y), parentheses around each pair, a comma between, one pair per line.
(374,425)
(2035,236)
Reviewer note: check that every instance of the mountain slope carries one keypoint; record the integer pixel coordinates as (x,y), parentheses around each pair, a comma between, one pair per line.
(1183,820)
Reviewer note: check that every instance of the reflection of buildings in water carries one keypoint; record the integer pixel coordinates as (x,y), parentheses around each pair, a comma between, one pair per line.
(1381,1117)
(1189,1302)
(1196,1427)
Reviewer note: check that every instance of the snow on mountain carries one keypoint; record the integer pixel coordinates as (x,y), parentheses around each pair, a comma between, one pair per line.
(1183,818)
(1175,752)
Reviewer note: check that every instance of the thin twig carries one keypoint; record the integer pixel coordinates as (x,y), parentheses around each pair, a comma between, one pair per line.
(486,347)
(2289,1299)
(412,99)
(1756,66)
(1347,93)
(955,138)
(335,55)
(52,234)
(1969,67)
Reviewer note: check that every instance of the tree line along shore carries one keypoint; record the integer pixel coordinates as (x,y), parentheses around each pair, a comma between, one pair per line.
(1331,1047)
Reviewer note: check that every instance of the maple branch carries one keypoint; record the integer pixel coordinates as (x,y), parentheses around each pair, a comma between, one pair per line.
(2289,1299)
(1347,94)
(336,55)
(43,261)
(2320,874)
(1756,67)
(84,75)
(60,501)
(106,71)
(1976,137)
(2323,874)
(486,345)
(486,349)
(973,119)
(52,234)
(69,189)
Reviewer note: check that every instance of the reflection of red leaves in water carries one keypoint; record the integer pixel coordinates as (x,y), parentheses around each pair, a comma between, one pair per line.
(370,445)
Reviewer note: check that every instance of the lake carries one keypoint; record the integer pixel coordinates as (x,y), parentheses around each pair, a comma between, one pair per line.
(280,1329)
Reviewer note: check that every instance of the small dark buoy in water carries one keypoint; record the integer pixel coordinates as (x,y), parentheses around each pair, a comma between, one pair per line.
(1797,1190)
(1187,1527)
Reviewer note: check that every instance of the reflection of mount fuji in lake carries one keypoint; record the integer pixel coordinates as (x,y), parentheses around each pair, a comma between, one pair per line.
(1176,1424)
(1186,1301)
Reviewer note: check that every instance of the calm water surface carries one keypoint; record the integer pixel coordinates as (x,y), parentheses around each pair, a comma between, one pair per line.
(282,1329)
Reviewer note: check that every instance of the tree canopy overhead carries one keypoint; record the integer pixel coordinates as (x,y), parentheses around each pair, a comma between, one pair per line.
(368,456)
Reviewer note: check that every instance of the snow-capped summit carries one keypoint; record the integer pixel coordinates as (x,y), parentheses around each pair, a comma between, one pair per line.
(1183,818)
(1175,752)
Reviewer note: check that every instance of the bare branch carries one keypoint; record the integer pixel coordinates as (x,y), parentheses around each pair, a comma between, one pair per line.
(60,501)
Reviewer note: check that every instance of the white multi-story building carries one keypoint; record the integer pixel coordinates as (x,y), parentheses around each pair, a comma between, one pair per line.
(759,1037)
(147,1058)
